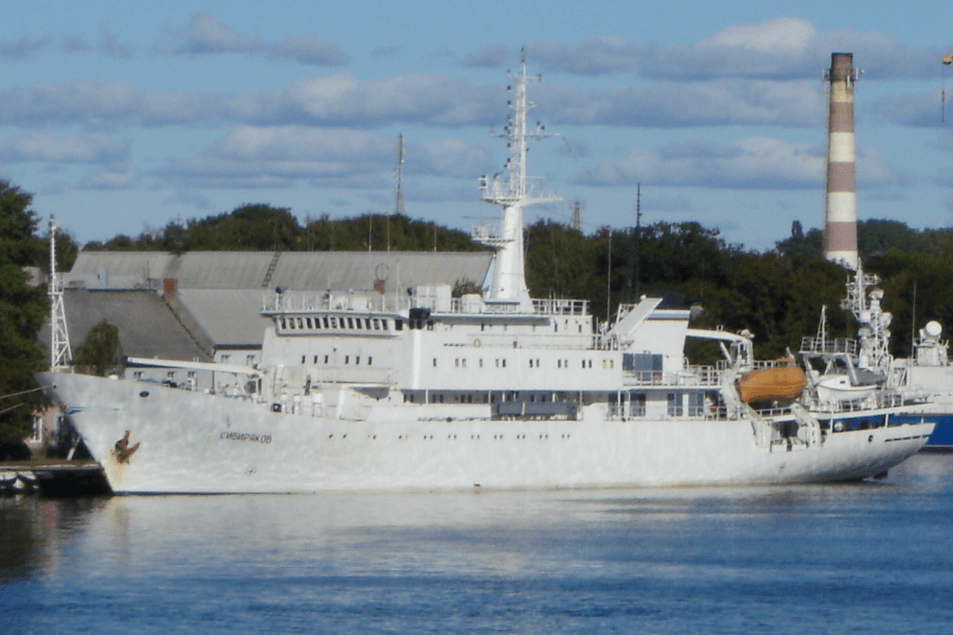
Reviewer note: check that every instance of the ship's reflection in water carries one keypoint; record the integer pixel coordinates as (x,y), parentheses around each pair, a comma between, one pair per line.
(833,558)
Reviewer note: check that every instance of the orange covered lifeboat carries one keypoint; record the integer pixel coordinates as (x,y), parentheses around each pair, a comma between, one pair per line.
(783,382)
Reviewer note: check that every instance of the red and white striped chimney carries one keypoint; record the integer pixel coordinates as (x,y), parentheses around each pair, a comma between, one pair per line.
(840,213)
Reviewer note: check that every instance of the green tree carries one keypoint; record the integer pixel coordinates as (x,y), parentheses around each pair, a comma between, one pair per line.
(800,244)
(22,310)
(101,349)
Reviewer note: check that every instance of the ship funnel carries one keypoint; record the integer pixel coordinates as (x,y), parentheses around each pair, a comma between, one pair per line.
(840,212)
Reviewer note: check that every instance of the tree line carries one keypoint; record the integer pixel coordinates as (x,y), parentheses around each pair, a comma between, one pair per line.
(260,227)
(776,295)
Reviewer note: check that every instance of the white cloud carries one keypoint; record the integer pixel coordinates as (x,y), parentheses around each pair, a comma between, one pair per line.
(490,56)
(684,105)
(110,179)
(310,50)
(294,144)
(346,100)
(780,36)
(99,103)
(109,44)
(752,163)
(782,48)
(338,100)
(920,110)
(50,148)
(21,48)
(452,157)
(250,157)
(281,156)
(208,34)
(594,56)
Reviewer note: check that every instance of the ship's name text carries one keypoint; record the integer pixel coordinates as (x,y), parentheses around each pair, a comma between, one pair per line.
(244,436)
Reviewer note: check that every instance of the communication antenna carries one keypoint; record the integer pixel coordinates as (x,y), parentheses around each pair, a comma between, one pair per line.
(634,252)
(576,222)
(514,191)
(399,175)
(638,239)
(947,60)
(60,353)
(609,280)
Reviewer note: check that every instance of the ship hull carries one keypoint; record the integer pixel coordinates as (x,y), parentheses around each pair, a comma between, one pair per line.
(185,442)
(941,440)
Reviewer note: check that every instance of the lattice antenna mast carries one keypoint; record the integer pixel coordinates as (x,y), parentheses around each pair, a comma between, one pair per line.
(399,175)
(509,283)
(60,354)
(518,189)
(576,222)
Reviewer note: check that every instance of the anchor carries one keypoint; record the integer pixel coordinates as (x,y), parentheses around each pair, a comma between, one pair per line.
(123,451)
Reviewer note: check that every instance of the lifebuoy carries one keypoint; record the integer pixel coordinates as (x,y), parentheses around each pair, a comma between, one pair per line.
(476,343)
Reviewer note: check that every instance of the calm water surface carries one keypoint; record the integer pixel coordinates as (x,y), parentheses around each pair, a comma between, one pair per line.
(864,558)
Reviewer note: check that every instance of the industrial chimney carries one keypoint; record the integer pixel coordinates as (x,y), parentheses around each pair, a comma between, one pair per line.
(840,213)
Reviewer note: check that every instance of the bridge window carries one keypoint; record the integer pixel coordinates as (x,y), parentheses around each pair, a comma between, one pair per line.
(696,404)
(675,408)
(646,367)
(637,404)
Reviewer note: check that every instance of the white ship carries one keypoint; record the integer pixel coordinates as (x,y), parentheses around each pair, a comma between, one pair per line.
(423,392)
(858,370)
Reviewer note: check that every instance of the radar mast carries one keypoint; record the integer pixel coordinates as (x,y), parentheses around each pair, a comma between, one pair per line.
(512,192)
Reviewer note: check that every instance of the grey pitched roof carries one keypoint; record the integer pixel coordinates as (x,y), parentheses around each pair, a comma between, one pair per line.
(147,326)
(231,318)
(220,294)
(339,270)
(118,270)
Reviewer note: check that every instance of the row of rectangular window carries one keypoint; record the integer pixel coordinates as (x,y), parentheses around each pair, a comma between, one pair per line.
(347,359)
(337,322)
(461,362)
(696,402)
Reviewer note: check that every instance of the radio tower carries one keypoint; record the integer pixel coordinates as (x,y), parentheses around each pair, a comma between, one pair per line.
(399,175)
(576,222)
(512,194)
(60,353)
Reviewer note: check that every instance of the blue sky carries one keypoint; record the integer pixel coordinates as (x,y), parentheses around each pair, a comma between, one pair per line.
(121,117)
